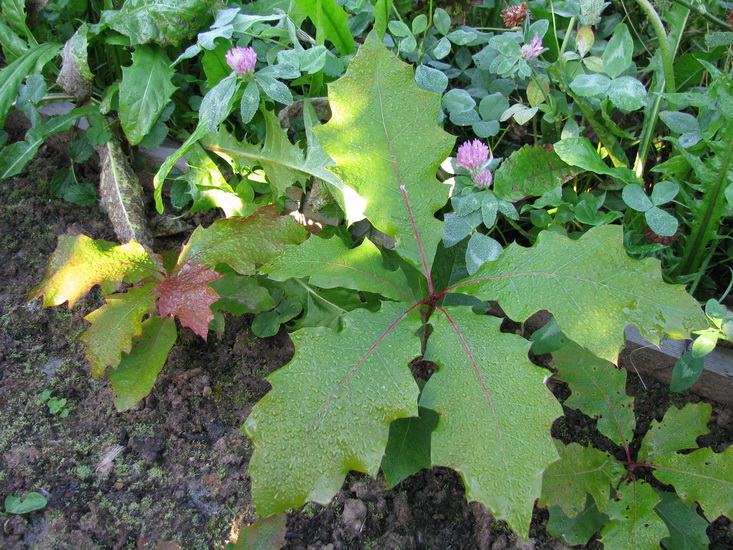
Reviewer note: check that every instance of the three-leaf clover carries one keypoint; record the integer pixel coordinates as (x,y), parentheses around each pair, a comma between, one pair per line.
(660,221)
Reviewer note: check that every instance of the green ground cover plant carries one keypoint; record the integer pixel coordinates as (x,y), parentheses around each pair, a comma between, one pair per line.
(539,204)
(17,505)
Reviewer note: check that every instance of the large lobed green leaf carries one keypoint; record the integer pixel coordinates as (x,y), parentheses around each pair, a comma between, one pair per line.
(145,90)
(243,242)
(387,146)
(79,263)
(498,442)
(330,408)
(591,286)
(599,390)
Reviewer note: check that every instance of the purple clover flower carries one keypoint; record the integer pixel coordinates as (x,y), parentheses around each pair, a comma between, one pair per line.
(242,60)
(475,157)
(533,49)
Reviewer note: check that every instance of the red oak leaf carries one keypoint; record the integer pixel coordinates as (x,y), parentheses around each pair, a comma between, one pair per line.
(187,295)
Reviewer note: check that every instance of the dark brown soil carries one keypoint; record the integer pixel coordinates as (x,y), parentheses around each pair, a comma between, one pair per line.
(171,472)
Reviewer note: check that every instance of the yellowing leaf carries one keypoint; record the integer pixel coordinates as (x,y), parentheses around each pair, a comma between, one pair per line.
(114,325)
(263,534)
(79,263)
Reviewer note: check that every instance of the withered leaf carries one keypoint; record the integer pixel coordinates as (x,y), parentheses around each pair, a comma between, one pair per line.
(122,195)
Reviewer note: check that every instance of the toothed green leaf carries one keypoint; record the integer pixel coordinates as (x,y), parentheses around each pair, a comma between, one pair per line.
(591,286)
(329,263)
(703,476)
(482,371)
(380,116)
(634,523)
(330,408)
(599,390)
(677,431)
(580,471)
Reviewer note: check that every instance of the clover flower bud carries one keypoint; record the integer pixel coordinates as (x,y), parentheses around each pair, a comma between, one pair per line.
(242,60)
(533,49)
(484,179)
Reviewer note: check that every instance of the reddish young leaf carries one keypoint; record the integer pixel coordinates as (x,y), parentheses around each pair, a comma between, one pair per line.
(187,295)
